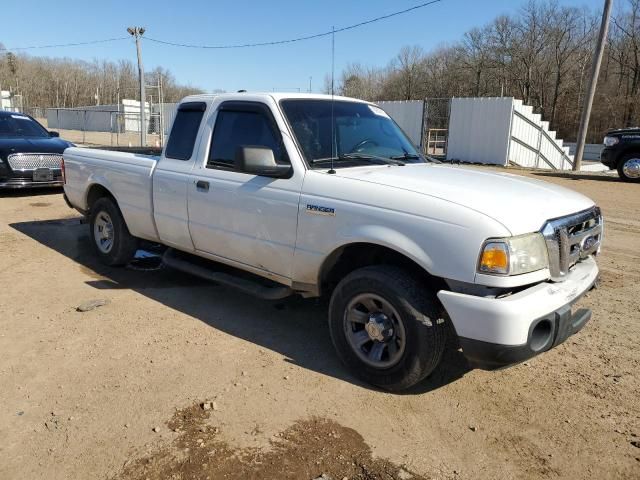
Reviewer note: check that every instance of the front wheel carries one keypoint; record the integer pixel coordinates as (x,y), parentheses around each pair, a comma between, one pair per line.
(111,238)
(387,327)
(629,167)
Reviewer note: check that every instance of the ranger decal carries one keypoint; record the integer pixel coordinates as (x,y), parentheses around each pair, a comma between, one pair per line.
(319,210)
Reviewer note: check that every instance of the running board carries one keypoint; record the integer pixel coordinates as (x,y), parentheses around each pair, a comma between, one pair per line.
(247,286)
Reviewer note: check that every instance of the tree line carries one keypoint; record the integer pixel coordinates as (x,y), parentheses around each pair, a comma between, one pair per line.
(66,83)
(541,55)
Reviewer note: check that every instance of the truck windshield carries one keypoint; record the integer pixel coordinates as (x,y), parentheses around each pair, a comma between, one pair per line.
(16,125)
(363,133)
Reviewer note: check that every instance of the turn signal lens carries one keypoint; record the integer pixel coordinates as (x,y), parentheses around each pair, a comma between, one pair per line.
(495,258)
(514,255)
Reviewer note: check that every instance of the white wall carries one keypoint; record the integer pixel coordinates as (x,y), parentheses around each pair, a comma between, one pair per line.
(479,129)
(408,115)
(5,100)
(131,110)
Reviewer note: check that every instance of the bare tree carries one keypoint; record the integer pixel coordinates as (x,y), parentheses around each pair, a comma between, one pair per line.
(540,55)
(54,82)
(626,46)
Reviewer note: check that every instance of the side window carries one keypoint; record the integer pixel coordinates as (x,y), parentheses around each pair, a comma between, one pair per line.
(185,130)
(235,129)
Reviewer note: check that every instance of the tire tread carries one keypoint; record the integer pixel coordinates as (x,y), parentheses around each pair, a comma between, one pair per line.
(421,305)
(125,245)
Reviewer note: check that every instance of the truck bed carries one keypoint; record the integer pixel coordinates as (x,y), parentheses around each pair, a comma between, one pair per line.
(127,176)
(150,151)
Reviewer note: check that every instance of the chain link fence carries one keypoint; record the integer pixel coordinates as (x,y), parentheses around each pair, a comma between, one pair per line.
(107,125)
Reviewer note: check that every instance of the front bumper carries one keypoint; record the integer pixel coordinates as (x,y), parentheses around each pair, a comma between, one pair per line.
(24,179)
(608,158)
(16,183)
(496,332)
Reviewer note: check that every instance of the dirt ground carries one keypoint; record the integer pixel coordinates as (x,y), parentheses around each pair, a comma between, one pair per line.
(117,392)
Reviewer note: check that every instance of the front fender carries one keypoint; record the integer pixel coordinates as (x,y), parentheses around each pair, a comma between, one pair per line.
(386,237)
(309,266)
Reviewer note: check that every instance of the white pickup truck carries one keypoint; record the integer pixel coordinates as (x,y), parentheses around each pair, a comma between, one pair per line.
(281,194)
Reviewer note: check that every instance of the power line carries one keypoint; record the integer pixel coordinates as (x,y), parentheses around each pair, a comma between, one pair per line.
(92,42)
(241,45)
(299,39)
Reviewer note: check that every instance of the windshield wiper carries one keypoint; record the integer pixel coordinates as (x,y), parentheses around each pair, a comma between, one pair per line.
(358,156)
(406,156)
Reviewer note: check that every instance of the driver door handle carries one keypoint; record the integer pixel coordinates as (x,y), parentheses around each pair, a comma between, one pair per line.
(202,185)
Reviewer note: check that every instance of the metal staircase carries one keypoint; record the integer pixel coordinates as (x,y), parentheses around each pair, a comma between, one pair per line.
(532,144)
(503,131)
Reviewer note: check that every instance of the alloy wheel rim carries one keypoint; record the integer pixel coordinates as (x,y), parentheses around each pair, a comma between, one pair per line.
(374,330)
(103,232)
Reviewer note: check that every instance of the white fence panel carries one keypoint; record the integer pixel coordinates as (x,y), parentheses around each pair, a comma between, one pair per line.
(479,129)
(409,115)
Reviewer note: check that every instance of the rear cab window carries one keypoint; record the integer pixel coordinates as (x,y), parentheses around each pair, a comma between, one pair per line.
(185,130)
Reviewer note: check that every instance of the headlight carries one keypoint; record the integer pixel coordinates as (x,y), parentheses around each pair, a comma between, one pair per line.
(610,141)
(514,255)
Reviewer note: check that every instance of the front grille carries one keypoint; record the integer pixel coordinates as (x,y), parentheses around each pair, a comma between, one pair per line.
(571,239)
(31,161)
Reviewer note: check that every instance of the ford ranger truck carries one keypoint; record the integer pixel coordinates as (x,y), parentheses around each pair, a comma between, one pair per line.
(621,152)
(281,194)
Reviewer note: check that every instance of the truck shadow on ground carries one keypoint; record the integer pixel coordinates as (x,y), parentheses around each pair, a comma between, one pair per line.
(30,192)
(578,176)
(294,327)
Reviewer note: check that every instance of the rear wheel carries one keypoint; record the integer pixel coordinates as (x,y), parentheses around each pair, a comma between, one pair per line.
(111,238)
(387,327)
(629,167)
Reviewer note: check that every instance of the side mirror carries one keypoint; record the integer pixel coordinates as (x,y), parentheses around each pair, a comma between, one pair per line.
(54,134)
(259,161)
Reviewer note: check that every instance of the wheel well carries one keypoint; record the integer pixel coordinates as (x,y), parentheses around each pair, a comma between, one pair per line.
(96,192)
(348,258)
(631,149)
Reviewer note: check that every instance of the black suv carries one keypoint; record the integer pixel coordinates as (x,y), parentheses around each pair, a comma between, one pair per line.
(622,152)
(30,156)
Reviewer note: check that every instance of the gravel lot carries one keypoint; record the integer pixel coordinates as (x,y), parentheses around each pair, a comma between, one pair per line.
(116,391)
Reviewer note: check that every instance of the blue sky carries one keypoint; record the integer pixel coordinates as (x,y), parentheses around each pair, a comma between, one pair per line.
(286,67)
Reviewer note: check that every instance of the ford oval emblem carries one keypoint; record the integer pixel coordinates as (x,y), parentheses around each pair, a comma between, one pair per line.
(587,243)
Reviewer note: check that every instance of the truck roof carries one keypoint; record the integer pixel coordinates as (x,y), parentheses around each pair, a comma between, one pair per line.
(632,130)
(277,96)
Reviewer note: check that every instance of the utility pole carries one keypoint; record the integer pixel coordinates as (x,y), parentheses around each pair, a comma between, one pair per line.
(137,32)
(591,89)
(161,98)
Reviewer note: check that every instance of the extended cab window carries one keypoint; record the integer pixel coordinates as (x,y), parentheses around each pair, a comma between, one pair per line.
(185,130)
(242,128)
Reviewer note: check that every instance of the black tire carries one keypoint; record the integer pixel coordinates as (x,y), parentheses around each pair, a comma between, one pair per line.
(421,314)
(123,244)
(621,164)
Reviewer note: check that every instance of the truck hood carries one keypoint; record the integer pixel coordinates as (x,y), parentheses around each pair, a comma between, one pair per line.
(31,145)
(520,204)
(625,131)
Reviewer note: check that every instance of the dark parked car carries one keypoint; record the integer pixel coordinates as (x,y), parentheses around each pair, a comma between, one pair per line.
(30,156)
(622,152)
